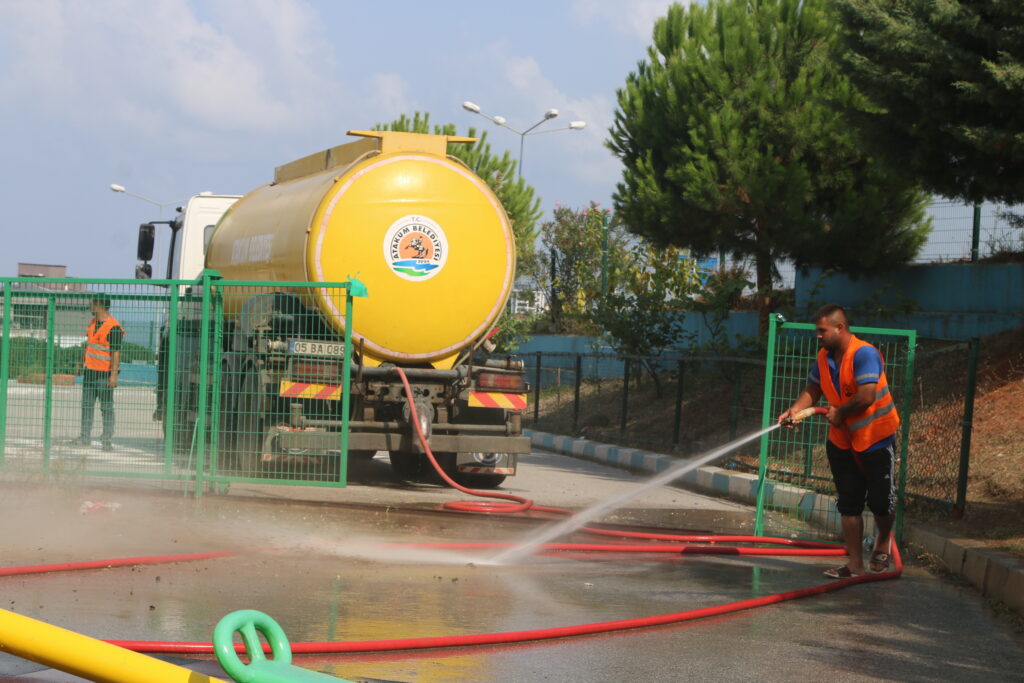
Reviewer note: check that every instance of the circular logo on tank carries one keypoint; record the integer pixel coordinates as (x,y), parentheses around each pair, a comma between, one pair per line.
(415,248)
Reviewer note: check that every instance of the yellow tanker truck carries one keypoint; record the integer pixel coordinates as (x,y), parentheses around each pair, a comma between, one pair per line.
(435,250)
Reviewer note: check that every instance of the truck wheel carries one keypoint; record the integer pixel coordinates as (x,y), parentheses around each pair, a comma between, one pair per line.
(361,455)
(181,426)
(249,425)
(411,467)
(468,479)
(479,481)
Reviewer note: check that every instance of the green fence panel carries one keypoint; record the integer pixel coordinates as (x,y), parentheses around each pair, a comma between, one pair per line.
(219,381)
(281,377)
(796,493)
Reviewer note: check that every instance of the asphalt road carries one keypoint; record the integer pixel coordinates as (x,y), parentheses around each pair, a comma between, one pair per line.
(312,558)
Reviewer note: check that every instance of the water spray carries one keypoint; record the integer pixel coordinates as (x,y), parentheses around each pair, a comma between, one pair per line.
(575,522)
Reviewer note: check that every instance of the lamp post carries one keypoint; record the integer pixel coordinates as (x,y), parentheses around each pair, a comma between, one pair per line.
(501,121)
(114,187)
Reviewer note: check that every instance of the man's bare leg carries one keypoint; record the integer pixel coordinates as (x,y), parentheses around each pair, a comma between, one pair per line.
(883,537)
(853,537)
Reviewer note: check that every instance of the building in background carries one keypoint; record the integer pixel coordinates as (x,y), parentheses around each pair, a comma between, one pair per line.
(527,298)
(31,307)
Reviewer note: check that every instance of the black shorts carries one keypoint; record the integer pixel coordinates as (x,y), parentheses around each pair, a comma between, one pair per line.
(875,485)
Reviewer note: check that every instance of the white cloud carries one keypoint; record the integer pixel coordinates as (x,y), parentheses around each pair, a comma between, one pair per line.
(635,17)
(140,66)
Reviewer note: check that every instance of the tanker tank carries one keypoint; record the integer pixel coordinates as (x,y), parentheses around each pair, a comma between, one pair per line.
(426,235)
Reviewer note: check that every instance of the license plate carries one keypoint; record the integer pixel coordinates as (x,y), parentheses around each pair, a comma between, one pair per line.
(314,348)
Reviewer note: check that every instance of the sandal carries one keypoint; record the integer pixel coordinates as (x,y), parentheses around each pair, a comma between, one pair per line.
(879,562)
(840,573)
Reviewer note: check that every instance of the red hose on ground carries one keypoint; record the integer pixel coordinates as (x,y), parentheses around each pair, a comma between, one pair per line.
(106,564)
(170,647)
(529,635)
(520,504)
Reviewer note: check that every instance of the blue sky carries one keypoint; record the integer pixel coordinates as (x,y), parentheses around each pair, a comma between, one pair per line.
(172,97)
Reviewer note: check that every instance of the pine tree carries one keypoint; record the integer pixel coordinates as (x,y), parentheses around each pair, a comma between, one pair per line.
(734,138)
(949,79)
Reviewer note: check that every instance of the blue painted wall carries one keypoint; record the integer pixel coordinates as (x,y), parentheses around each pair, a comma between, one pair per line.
(955,300)
(742,323)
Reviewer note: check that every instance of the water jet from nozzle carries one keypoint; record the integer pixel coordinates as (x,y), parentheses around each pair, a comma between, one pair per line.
(528,547)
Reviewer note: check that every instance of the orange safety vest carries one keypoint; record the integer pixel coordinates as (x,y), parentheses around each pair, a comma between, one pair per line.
(97,344)
(878,421)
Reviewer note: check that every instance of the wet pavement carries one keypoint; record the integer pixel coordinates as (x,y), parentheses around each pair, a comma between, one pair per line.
(324,571)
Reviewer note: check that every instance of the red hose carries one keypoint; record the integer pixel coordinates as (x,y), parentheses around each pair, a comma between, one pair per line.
(171,647)
(106,564)
(522,636)
(520,504)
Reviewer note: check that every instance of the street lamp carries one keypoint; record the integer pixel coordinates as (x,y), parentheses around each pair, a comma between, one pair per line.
(501,121)
(114,187)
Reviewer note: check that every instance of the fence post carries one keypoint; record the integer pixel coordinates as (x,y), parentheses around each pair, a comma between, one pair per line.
(762,462)
(216,367)
(576,396)
(626,362)
(968,425)
(5,365)
(905,409)
(199,431)
(975,232)
(355,288)
(536,390)
(170,376)
(51,316)
(677,422)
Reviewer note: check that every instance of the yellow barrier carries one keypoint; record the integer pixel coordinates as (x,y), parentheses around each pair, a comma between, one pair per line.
(84,656)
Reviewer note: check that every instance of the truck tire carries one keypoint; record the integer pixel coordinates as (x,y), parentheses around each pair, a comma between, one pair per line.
(468,479)
(249,424)
(411,467)
(479,481)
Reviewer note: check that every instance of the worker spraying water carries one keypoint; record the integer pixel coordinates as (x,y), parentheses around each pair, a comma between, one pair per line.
(863,421)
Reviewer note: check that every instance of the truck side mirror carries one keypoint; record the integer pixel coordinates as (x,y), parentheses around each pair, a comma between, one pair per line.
(147,235)
(143,271)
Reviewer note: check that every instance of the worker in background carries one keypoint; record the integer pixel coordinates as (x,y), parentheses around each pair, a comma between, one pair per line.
(99,376)
(863,421)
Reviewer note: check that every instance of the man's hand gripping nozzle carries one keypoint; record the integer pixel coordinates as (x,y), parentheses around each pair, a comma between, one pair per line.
(798,417)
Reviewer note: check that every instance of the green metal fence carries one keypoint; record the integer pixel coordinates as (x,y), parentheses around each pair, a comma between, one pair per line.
(211,372)
(792,461)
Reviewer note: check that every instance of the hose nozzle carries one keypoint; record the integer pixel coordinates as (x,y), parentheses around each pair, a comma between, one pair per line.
(799,417)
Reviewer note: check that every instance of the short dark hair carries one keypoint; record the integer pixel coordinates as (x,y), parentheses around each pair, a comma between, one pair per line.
(828,310)
(103,300)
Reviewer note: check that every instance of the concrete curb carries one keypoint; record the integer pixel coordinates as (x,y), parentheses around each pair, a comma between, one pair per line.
(996,574)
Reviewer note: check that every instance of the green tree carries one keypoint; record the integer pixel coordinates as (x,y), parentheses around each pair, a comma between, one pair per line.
(584,248)
(720,294)
(642,311)
(948,78)
(499,172)
(733,139)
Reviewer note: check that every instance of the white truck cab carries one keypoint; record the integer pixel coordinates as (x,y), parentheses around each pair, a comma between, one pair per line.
(191,230)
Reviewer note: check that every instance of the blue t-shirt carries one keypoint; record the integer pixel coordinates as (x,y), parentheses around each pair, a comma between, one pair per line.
(867,368)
